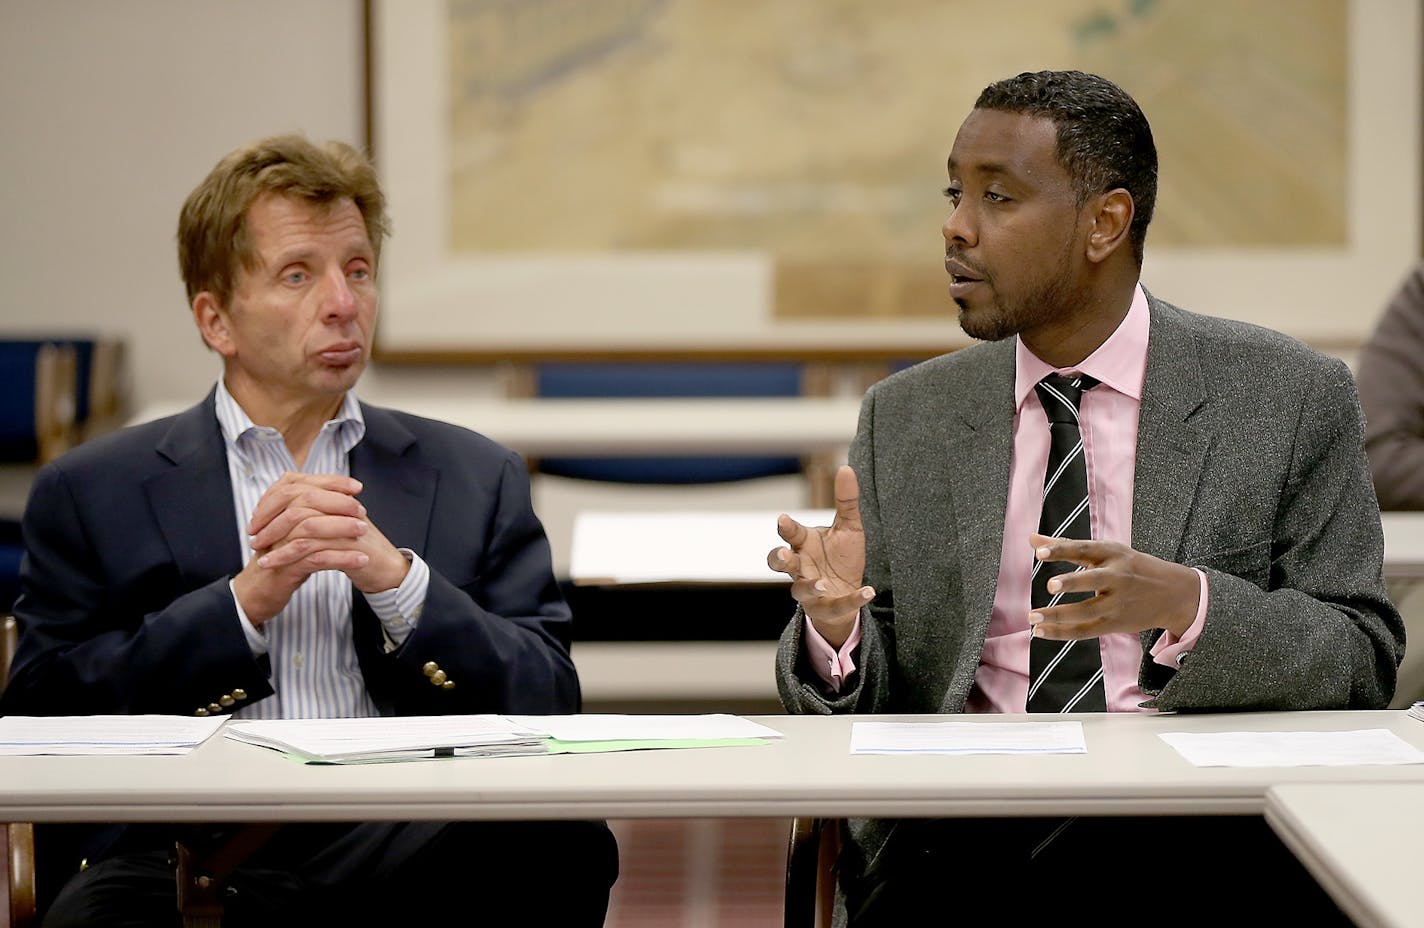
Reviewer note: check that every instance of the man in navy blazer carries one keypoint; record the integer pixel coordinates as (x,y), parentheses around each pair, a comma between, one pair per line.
(282,550)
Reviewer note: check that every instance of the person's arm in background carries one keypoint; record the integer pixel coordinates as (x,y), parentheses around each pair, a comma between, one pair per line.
(1390,374)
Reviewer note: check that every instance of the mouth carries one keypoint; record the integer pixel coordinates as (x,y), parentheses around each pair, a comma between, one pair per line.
(341,355)
(962,278)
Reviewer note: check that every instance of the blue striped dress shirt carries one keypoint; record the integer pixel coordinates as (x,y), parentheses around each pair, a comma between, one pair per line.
(314,669)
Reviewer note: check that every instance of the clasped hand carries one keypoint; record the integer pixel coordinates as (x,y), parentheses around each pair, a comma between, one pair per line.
(310,522)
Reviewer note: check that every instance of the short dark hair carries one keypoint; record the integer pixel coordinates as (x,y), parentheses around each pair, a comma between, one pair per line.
(1104,141)
(213,238)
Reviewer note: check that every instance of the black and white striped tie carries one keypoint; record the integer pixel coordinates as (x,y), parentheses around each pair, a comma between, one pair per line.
(1064,676)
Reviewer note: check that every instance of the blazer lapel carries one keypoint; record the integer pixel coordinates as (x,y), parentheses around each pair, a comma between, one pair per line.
(398,488)
(982,428)
(1171,449)
(192,500)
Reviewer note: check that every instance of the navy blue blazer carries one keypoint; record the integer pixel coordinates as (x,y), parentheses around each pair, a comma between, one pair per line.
(131,540)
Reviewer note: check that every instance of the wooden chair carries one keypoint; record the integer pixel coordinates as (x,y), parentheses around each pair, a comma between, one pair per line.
(17,839)
(105,401)
(811,872)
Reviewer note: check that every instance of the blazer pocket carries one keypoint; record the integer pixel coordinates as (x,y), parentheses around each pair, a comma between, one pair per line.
(1251,563)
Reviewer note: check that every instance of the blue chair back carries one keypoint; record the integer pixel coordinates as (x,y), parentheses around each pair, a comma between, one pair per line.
(19,367)
(649,380)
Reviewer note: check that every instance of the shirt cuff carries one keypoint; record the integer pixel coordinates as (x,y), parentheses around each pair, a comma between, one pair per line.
(399,608)
(256,639)
(832,666)
(1170,650)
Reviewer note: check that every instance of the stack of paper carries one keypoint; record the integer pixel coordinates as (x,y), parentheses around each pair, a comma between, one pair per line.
(354,740)
(1417,711)
(105,734)
(587,734)
(1293,748)
(348,741)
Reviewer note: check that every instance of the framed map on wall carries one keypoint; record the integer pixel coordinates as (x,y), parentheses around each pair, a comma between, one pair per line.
(744,175)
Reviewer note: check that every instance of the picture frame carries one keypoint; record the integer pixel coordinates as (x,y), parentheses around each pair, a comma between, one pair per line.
(440,305)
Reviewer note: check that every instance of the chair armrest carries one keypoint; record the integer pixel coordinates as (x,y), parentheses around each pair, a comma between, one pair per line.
(17,841)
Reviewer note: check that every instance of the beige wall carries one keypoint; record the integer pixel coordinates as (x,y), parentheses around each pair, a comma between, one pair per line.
(110,112)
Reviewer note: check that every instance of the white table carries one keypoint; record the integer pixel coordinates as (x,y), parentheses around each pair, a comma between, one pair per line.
(1361,843)
(723,548)
(1128,770)
(1403,545)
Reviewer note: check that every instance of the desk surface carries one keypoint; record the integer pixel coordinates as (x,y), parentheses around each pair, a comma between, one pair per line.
(1360,842)
(1127,771)
(1403,545)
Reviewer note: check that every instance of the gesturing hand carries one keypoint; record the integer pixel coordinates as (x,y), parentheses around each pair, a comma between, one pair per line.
(1133,591)
(827,564)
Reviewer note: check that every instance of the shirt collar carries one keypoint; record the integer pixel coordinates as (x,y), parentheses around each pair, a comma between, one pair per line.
(348,423)
(1120,362)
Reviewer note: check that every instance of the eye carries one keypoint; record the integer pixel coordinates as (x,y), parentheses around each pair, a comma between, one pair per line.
(952,194)
(993,197)
(294,277)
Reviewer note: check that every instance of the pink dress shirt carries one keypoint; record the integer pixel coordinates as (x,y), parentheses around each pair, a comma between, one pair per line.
(1108,419)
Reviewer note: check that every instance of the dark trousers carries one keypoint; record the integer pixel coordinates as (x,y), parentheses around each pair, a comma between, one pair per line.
(460,873)
(1159,871)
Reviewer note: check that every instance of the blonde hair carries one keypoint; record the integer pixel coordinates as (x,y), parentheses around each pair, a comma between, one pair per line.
(213,238)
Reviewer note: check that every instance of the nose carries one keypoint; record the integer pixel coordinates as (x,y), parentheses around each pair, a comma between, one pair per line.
(958,227)
(338,303)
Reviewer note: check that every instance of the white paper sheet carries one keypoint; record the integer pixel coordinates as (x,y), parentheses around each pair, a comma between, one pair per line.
(1293,748)
(345,739)
(966,737)
(105,734)
(613,727)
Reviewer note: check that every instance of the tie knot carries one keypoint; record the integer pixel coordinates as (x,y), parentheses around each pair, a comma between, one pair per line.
(1061,395)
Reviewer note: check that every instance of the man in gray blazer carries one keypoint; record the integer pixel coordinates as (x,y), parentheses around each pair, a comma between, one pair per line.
(1234,561)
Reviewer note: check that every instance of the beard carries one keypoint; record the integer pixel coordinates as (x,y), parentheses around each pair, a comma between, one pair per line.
(1045,300)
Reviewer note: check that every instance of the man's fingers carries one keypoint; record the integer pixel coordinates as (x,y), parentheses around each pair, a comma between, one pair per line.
(791,531)
(330,493)
(785,561)
(1085,551)
(847,499)
(310,561)
(329,532)
(287,523)
(1069,622)
(1087,580)
(821,607)
(306,523)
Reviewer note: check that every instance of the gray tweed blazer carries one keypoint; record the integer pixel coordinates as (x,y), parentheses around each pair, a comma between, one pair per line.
(1250,466)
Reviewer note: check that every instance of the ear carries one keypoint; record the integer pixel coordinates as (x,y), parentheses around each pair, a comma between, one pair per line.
(1111,221)
(212,322)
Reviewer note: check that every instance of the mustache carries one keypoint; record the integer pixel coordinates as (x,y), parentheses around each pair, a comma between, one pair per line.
(957,255)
